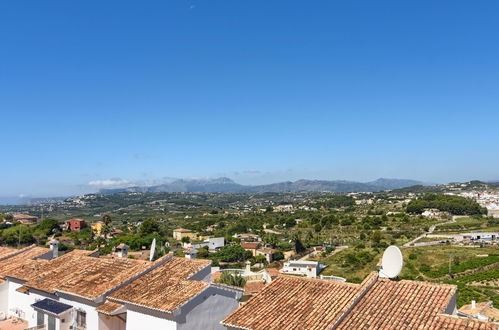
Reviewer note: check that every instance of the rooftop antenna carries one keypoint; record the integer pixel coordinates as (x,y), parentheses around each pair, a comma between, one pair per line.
(391,263)
(153,248)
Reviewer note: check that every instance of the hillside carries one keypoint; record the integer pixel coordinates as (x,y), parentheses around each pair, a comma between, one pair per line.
(226,185)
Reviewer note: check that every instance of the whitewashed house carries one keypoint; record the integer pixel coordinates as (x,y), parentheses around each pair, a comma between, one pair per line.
(81,291)
(300,267)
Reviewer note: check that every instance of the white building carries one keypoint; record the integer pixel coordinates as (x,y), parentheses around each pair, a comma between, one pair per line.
(81,291)
(300,267)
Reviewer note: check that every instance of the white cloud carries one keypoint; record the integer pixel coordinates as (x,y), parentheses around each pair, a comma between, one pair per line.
(253,171)
(114,182)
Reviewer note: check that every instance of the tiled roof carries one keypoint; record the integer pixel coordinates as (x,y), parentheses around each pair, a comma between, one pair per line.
(295,303)
(5,252)
(86,276)
(251,245)
(23,265)
(182,230)
(301,303)
(108,307)
(165,288)
(459,323)
(253,287)
(482,308)
(272,271)
(399,304)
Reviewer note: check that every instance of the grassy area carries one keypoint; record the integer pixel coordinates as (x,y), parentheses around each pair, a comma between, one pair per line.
(465,223)
(432,239)
(428,262)
(352,264)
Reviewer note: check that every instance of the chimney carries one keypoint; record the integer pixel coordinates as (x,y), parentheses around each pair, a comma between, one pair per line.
(473,304)
(122,250)
(54,247)
(191,253)
(310,274)
(248,267)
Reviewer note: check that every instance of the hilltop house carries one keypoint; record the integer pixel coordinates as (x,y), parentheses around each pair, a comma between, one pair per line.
(82,291)
(252,247)
(301,267)
(74,224)
(180,233)
(25,219)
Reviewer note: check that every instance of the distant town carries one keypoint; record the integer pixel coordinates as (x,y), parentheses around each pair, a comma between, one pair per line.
(179,260)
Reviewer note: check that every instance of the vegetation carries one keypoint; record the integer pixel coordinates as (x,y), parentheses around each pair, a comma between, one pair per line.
(445,203)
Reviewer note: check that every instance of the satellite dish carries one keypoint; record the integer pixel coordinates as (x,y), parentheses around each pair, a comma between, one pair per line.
(391,263)
(153,249)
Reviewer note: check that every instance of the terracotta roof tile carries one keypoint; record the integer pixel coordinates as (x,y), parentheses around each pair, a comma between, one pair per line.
(86,276)
(165,288)
(301,303)
(253,287)
(399,304)
(251,245)
(24,265)
(295,303)
(6,252)
(108,307)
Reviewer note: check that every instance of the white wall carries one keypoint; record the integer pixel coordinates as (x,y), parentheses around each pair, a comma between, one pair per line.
(107,322)
(141,321)
(4,297)
(208,309)
(92,314)
(22,301)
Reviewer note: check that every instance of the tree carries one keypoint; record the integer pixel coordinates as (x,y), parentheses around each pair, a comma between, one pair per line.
(106,229)
(149,226)
(233,253)
(233,279)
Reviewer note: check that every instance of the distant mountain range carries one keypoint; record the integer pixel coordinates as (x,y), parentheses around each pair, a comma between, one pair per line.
(226,185)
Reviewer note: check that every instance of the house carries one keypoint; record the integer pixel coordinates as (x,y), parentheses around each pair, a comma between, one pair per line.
(484,311)
(291,302)
(180,233)
(268,253)
(302,267)
(283,208)
(247,237)
(74,224)
(252,247)
(477,236)
(212,243)
(25,219)
(97,227)
(82,291)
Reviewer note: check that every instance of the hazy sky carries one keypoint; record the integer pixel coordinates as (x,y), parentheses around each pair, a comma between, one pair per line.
(98,92)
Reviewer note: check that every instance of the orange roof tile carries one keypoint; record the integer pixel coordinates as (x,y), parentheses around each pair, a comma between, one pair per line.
(182,230)
(253,287)
(399,304)
(24,265)
(86,276)
(301,303)
(6,252)
(165,288)
(251,245)
(108,307)
(295,303)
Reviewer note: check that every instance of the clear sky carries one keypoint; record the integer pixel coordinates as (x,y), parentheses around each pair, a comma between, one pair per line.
(94,92)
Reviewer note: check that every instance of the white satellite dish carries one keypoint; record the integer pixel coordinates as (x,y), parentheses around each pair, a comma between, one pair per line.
(391,263)
(153,249)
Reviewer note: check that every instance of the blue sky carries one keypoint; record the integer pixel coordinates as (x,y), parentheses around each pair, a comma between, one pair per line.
(259,91)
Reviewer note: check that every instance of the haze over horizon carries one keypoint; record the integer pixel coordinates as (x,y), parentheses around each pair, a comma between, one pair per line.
(260,92)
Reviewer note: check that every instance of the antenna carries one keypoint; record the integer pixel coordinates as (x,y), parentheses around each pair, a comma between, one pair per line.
(391,263)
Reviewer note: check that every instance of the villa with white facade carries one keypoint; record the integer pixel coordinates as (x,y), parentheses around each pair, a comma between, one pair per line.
(80,290)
